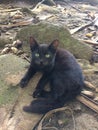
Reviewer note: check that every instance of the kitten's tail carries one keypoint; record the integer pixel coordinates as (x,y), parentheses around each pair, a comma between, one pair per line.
(42,106)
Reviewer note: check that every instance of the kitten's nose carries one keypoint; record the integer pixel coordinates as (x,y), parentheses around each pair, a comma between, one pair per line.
(41,62)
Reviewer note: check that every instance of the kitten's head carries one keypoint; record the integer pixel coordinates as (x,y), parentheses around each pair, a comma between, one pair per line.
(43,55)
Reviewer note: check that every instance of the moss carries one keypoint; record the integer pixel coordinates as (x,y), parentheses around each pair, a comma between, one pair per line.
(4,41)
(45,33)
(10,65)
(8,95)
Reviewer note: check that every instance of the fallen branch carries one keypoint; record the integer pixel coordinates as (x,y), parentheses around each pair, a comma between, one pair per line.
(88,102)
(38,126)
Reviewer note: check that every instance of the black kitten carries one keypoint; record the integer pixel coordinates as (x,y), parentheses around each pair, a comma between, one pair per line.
(60,69)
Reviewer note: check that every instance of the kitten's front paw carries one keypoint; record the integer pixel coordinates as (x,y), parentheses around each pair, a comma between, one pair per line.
(23,83)
(37,93)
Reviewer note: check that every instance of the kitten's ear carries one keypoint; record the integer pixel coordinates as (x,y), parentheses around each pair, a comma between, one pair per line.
(54,44)
(33,43)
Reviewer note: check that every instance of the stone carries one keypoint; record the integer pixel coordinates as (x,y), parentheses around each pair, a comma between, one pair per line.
(46,33)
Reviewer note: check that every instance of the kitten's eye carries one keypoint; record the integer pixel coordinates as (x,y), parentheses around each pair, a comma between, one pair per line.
(47,55)
(37,54)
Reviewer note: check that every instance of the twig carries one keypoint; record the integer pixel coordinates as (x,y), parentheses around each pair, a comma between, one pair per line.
(72,6)
(26,58)
(41,3)
(9,10)
(89,85)
(80,28)
(35,127)
(38,4)
(91,42)
(50,128)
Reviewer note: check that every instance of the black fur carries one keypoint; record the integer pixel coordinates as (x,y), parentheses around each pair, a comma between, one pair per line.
(60,69)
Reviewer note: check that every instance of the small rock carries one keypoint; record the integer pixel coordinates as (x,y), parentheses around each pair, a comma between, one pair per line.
(17,44)
(11,38)
(60,122)
(20,52)
(8,33)
(77,108)
(92,28)
(14,50)
(89,35)
(17,16)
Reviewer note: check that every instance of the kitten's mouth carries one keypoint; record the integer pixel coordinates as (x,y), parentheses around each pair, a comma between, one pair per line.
(42,65)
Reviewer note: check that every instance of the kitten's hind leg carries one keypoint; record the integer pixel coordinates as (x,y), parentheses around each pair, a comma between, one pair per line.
(46,94)
(57,89)
(42,106)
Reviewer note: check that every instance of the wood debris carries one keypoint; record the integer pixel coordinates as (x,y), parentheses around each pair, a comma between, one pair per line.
(88,93)
(90,42)
(96,99)
(22,23)
(80,28)
(89,85)
(88,102)
(14,47)
(9,10)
